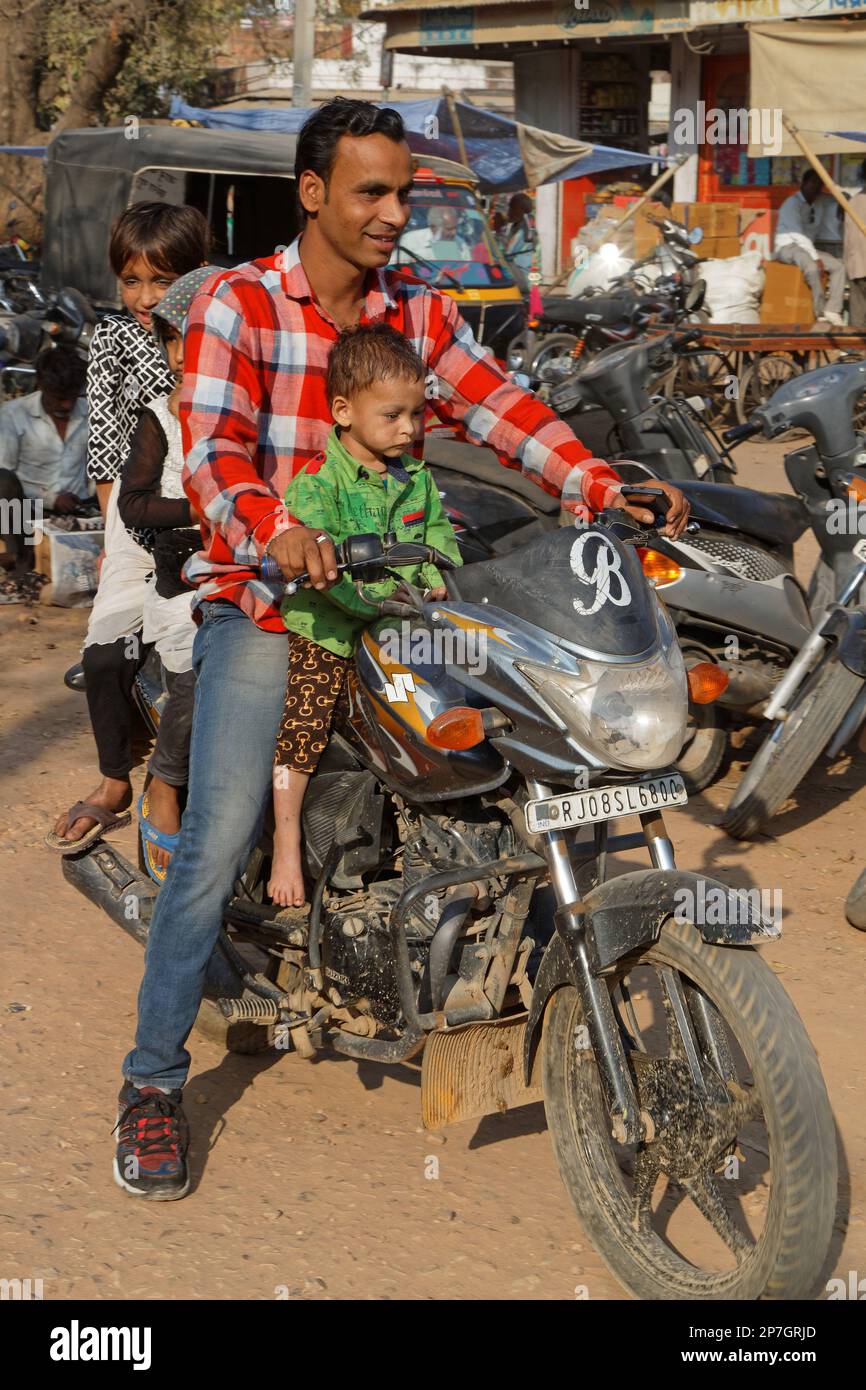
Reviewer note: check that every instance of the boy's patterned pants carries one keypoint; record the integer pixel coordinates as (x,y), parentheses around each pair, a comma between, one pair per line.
(315,683)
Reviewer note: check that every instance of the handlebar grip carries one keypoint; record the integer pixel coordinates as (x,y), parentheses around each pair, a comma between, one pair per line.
(683,339)
(739,432)
(659,501)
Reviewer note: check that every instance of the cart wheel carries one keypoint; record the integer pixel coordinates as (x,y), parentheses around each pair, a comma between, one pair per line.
(763,376)
(704,372)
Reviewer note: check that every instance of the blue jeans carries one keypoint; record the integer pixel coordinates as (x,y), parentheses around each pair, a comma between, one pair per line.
(240,688)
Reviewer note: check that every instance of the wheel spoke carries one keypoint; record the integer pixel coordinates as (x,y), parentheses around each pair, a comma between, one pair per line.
(681,1038)
(705,1194)
(646,1172)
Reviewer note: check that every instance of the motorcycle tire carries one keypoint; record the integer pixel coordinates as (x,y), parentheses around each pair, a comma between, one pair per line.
(855,904)
(702,757)
(555,345)
(782,761)
(784,1259)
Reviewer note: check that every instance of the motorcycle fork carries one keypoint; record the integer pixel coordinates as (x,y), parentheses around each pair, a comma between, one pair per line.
(627,1123)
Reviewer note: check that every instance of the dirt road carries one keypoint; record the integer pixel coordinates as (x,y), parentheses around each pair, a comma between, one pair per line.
(315,1180)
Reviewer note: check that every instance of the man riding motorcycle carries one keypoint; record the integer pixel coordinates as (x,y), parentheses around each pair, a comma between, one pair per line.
(253,413)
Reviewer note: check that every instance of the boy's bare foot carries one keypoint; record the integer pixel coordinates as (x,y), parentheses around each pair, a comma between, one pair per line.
(112,794)
(286,884)
(163,812)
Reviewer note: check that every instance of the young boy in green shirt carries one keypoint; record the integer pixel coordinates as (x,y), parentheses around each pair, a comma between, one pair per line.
(365,481)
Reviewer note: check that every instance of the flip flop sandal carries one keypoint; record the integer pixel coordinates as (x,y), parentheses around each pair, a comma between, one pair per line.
(105,821)
(151,837)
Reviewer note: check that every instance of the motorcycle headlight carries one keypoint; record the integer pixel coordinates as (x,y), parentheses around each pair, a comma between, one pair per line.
(631,716)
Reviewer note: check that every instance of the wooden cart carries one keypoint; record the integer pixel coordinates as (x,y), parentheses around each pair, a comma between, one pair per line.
(735,367)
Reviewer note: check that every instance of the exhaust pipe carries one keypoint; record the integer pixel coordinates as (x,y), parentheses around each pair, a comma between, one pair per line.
(110,882)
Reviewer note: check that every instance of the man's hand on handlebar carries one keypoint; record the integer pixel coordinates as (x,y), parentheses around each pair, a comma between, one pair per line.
(676,514)
(297,551)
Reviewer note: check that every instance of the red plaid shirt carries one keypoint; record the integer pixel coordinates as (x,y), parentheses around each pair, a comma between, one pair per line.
(253,409)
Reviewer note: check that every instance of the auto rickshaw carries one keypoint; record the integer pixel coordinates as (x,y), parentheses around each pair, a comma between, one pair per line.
(243,182)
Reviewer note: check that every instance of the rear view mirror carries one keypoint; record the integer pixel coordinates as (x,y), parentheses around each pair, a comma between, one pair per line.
(695,297)
(74,308)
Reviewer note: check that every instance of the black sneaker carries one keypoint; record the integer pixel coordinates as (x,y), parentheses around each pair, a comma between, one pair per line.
(152,1142)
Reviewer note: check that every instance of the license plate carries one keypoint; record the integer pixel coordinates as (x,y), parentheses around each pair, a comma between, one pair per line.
(605,803)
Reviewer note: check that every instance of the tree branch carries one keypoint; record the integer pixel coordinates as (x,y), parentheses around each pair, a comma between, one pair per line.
(104,62)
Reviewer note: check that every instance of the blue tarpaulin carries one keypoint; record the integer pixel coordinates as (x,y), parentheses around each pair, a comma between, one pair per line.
(497,148)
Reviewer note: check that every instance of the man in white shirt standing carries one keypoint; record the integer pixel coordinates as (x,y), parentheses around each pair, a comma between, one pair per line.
(798,228)
(855,257)
(43,447)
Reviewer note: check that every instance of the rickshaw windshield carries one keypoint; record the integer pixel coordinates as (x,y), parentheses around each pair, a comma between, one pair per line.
(447,231)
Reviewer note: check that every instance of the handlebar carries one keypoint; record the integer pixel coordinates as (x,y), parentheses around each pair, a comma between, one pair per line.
(683,339)
(739,432)
(365,556)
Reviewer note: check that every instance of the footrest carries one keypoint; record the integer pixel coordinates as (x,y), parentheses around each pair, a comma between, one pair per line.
(248,1008)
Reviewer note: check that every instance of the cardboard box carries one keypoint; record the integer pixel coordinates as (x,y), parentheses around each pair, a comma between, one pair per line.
(719,248)
(786,297)
(715,219)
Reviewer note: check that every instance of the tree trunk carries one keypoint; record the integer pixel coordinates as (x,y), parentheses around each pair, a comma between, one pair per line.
(104,62)
(22,23)
(21,179)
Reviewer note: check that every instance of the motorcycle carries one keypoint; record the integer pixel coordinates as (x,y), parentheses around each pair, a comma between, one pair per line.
(664,286)
(457,842)
(67,317)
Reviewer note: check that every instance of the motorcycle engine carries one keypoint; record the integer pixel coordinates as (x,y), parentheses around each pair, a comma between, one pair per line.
(356,950)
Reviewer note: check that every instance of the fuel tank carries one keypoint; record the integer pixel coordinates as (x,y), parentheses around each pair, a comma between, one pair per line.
(405,675)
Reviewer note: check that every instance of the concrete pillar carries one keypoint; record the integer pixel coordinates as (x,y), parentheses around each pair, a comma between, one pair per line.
(545,95)
(685,95)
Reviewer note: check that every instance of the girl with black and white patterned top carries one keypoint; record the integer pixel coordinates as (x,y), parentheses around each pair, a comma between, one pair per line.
(151,245)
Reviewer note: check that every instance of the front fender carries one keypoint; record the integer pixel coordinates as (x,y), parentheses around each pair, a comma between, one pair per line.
(627,913)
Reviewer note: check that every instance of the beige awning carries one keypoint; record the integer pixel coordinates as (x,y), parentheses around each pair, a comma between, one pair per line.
(815,72)
(545,154)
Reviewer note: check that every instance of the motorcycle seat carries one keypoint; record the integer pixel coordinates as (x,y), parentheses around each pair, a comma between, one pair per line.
(599,309)
(473,461)
(772,517)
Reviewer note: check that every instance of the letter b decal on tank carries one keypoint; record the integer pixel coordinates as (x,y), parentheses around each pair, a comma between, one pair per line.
(606,573)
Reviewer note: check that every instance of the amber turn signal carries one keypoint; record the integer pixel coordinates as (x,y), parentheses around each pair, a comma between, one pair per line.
(857,488)
(706,682)
(659,569)
(456,729)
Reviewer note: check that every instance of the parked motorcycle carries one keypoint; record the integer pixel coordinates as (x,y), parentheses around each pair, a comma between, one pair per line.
(66,317)
(489,742)
(664,286)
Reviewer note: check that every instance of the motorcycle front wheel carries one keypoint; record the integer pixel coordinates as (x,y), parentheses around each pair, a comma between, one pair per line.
(787,753)
(733,1194)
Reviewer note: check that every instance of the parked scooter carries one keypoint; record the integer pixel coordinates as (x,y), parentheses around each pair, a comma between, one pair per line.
(855,903)
(465,776)
(820,702)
